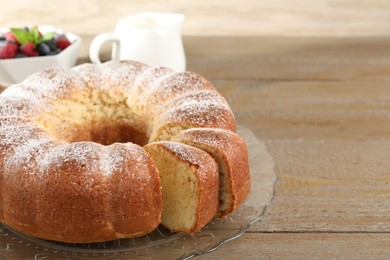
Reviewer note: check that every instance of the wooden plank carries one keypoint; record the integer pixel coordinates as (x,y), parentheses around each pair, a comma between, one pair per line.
(311,110)
(305,246)
(329,186)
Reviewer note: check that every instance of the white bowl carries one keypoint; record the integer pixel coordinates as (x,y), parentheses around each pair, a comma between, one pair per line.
(18,69)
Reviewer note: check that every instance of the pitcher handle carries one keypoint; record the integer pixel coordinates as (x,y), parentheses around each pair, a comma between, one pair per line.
(98,41)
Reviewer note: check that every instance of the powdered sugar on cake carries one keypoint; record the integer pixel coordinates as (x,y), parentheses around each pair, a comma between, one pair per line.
(62,125)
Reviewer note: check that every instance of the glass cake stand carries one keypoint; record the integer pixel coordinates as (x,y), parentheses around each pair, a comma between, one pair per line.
(161,244)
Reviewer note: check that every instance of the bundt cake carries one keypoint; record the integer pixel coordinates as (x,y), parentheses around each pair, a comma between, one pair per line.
(73,164)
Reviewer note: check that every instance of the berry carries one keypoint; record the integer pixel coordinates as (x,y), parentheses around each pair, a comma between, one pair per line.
(62,42)
(52,44)
(10,37)
(43,49)
(29,49)
(8,51)
(30,42)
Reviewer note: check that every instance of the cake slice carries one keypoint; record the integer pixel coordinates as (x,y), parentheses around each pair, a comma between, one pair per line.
(189,181)
(230,152)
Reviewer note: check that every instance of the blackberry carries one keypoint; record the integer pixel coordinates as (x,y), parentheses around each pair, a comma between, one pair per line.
(52,44)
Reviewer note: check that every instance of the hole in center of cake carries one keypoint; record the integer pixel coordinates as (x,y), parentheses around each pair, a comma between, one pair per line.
(102,132)
(109,133)
(96,121)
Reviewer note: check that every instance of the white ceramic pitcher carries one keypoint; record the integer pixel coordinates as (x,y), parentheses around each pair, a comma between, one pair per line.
(151,38)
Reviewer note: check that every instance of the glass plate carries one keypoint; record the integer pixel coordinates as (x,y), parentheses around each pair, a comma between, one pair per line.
(161,244)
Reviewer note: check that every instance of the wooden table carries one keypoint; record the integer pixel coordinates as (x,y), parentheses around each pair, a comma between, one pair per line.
(322,107)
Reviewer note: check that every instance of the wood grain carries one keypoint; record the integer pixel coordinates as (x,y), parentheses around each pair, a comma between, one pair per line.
(305,246)
(345,110)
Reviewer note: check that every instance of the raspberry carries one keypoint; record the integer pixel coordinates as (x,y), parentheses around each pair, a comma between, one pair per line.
(8,51)
(29,49)
(62,42)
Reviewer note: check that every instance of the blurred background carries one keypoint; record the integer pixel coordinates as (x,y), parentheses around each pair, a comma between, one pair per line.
(218,17)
